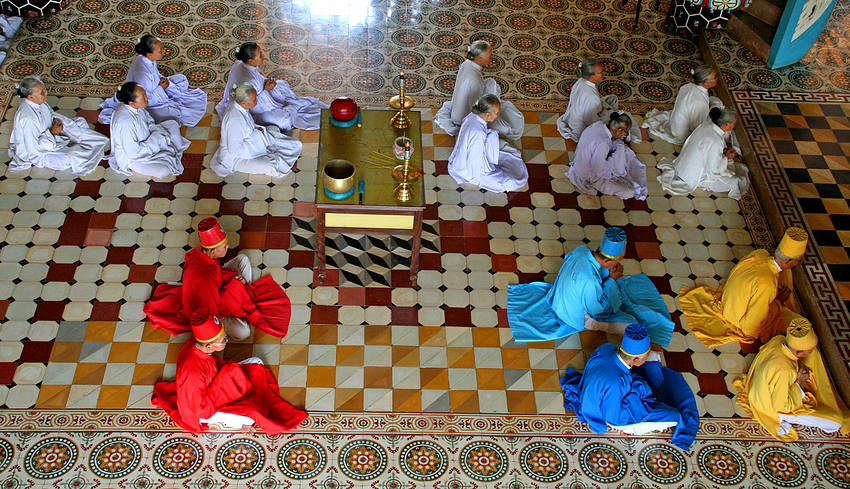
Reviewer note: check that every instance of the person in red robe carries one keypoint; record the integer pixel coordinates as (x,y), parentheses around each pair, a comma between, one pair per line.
(209,392)
(225,290)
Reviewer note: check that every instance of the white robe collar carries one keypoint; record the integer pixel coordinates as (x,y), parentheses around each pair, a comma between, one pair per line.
(717,130)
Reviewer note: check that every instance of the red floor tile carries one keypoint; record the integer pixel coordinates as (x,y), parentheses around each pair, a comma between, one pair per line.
(105,311)
(679,361)
(352,296)
(712,383)
(255,223)
(640,233)
(49,311)
(378,296)
(636,205)
(539,185)
(475,229)
(430,212)
(430,261)
(662,284)
(280,224)
(497,214)
(161,190)
(4,306)
(119,255)
(538,170)
(229,207)
(458,316)
(324,314)
(98,237)
(442,167)
(37,351)
(304,209)
(331,278)
(189,175)
(61,272)
(525,278)
(210,190)
(592,217)
(277,241)
(252,240)
(102,220)
(450,228)
(132,205)
(7,372)
(405,316)
(301,258)
(87,187)
(504,263)
(646,250)
(566,201)
(191,160)
(400,278)
(142,274)
(502,314)
(519,199)
(476,246)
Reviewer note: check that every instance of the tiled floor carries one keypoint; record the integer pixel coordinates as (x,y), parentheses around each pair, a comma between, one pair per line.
(102,242)
(79,257)
(357,47)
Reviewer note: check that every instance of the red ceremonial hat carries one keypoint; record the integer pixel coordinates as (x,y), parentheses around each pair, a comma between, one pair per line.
(206,327)
(210,233)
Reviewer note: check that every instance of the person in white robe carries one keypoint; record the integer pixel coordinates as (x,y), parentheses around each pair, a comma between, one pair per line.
(603,163)
(247,147)
(277,105)
(141,145)
(169,98)
(470,85)
(46,139)
(706,161)
(689,111)
(480,157)
(586,106)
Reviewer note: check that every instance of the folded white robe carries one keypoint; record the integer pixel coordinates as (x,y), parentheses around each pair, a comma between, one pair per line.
(77,148)
(279,107)
(470,85)
(480,158)
(249,148)
(586,107)
(701,163)
(607,166)
(145,147)
(689,111)
(178,102)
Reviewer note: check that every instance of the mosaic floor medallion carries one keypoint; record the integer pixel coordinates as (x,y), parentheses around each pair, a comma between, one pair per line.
(484,461)
(240,459)
(781,466)
(178,458)
(302,459)
(423,460)
(602,462)
(114,458)
(722,465)
(543,462)
(362,460)
(50,458)
(663,464)
(834,466)
(7,453)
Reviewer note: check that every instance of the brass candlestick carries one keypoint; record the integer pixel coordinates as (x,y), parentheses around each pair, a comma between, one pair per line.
(403,172)
(400,119)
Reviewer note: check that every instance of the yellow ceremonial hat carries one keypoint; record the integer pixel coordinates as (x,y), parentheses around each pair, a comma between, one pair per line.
(793,243)
(800,335)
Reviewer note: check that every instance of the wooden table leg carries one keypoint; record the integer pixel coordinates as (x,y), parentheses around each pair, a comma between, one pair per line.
(415,246)
(320,241)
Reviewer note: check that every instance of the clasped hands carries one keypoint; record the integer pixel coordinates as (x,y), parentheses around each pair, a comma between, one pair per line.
(616,270)
(56,127)
(783,293)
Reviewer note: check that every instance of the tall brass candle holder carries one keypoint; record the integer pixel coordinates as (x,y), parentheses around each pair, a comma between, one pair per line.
(400,119)
(404,190)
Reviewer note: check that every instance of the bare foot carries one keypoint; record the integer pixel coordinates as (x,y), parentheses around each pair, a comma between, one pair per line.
(248,428)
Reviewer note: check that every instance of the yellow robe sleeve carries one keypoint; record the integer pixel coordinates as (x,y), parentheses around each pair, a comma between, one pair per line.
(773,391)
(787,279)
(759,308)
(824,401)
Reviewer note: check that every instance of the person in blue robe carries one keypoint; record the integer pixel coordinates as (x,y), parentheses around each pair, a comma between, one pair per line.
(627,389)
(589,284)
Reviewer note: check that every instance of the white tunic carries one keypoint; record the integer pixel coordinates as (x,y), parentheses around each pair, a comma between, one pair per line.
(145,147)
(279,107)
(701,163)
(178,102)
(604,165)
(249,148)
(480,158)
(689,111)
(470,85)
(585,107)
(77,148)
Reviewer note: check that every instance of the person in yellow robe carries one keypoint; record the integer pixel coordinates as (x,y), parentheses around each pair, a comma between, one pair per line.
(788,385)
(750,305)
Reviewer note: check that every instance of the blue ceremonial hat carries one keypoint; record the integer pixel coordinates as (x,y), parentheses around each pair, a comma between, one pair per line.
(613,244)
(636,341)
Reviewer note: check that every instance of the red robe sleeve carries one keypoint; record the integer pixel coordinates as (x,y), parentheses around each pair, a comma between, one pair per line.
(201,284)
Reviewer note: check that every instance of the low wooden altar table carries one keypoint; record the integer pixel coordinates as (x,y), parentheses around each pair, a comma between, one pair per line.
(380,211)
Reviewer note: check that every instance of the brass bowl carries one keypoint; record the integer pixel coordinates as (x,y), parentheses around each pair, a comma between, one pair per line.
(338,176)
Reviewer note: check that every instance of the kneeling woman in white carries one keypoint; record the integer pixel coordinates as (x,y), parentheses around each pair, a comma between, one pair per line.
(603,163)
(277,105)
(169,99)
(247,147)
(689,111)
(45,139)
(470,85)
(141,145)
(706,161)
(480,157)
(586,106)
